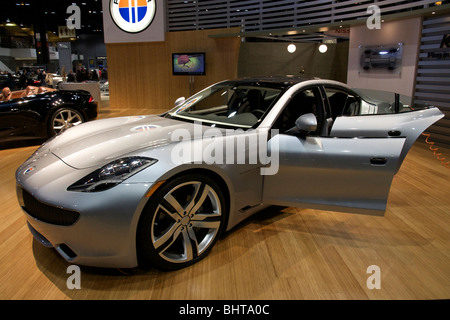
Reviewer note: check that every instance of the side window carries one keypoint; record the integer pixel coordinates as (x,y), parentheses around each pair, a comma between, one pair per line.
(305,101)
(342,103)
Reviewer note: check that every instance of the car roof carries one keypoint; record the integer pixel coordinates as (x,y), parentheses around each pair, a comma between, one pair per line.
(273,81)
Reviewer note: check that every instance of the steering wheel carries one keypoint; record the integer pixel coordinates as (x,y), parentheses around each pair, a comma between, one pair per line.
(258,113)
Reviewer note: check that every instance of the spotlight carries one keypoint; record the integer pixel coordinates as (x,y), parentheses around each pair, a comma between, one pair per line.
(291,48)
(323,48)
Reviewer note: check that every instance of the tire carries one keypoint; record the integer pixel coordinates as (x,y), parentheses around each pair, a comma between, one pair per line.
(62,119)
(181,223)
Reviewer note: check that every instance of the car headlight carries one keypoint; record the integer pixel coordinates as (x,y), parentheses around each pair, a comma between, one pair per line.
(111,174)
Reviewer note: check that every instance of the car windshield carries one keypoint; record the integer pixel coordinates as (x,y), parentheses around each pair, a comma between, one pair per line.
(384,102)
(228,104)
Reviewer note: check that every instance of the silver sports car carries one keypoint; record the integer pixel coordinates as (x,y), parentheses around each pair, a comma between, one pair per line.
(158,190)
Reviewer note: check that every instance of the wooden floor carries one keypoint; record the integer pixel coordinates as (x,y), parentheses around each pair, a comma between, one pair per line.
(281,253)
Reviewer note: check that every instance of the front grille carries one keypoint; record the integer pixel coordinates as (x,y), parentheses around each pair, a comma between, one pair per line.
(45,212)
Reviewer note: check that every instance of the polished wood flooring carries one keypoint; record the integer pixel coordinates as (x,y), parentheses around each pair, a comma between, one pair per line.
(280,253)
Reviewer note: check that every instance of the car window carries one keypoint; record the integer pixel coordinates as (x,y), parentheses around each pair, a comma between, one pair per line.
(303,102)
(385,101)
(228,104)
(366,102)
(343,103)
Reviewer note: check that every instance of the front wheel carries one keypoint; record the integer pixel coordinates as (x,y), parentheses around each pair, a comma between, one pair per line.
(181,223)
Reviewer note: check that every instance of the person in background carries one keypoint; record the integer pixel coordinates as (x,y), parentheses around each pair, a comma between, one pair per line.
(23,80)
(70,77)
(6,94)
(94,75)
(9,82)
(41,77)
(104,75)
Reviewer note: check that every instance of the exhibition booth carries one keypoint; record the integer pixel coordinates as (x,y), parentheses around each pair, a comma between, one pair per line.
(225,151)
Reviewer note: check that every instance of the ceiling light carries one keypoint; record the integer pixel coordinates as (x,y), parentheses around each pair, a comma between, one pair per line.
(323,48)
(292,48)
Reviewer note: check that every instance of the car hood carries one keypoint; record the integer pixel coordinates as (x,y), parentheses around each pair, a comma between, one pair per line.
(97,142)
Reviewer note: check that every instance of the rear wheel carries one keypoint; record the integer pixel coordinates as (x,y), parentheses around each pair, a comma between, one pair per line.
(181,223)
(63,119)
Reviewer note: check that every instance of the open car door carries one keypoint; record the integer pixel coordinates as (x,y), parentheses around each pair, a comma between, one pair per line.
(351,169)
(409,125)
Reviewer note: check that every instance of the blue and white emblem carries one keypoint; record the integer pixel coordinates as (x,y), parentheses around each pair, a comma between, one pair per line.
(29,170)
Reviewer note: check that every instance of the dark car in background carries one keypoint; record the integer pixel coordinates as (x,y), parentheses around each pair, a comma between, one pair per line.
(43,115)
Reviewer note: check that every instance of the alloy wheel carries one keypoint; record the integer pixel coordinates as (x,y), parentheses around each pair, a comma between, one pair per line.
(186,222)
(181,222)
(64,119)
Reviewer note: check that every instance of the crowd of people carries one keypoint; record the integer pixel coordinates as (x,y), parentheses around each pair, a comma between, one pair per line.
(82,75)
(25,84)
(30,82)
(23,79)
(37,78)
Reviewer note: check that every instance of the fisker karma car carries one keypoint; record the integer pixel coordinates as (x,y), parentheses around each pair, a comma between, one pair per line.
(159,190)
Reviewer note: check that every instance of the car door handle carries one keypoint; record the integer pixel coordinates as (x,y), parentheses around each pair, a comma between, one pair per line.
(378,161)
(394,133)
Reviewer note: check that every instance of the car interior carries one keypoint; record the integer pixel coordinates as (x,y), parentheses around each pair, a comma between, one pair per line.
(243,105)
(28,91)
(304,102)
(342,104)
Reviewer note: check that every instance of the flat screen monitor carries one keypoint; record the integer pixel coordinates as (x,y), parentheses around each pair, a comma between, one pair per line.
(189,64)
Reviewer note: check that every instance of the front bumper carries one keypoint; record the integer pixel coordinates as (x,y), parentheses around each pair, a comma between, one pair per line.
(104,235)
(102,230)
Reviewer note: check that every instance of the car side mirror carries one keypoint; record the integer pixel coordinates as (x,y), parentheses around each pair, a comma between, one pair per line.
(306,123)
(179,101)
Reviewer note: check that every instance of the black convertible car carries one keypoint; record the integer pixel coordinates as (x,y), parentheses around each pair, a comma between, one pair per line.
(42,115)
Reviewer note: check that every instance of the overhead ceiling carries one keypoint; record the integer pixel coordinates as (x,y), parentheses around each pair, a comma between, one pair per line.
(18,18)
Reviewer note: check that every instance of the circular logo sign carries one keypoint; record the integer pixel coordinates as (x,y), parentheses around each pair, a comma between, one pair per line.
(132,15)
(30,169)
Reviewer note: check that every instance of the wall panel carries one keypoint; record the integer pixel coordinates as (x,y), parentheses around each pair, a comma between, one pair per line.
(140,74)
(272,59)
(433,73)
(405,31)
